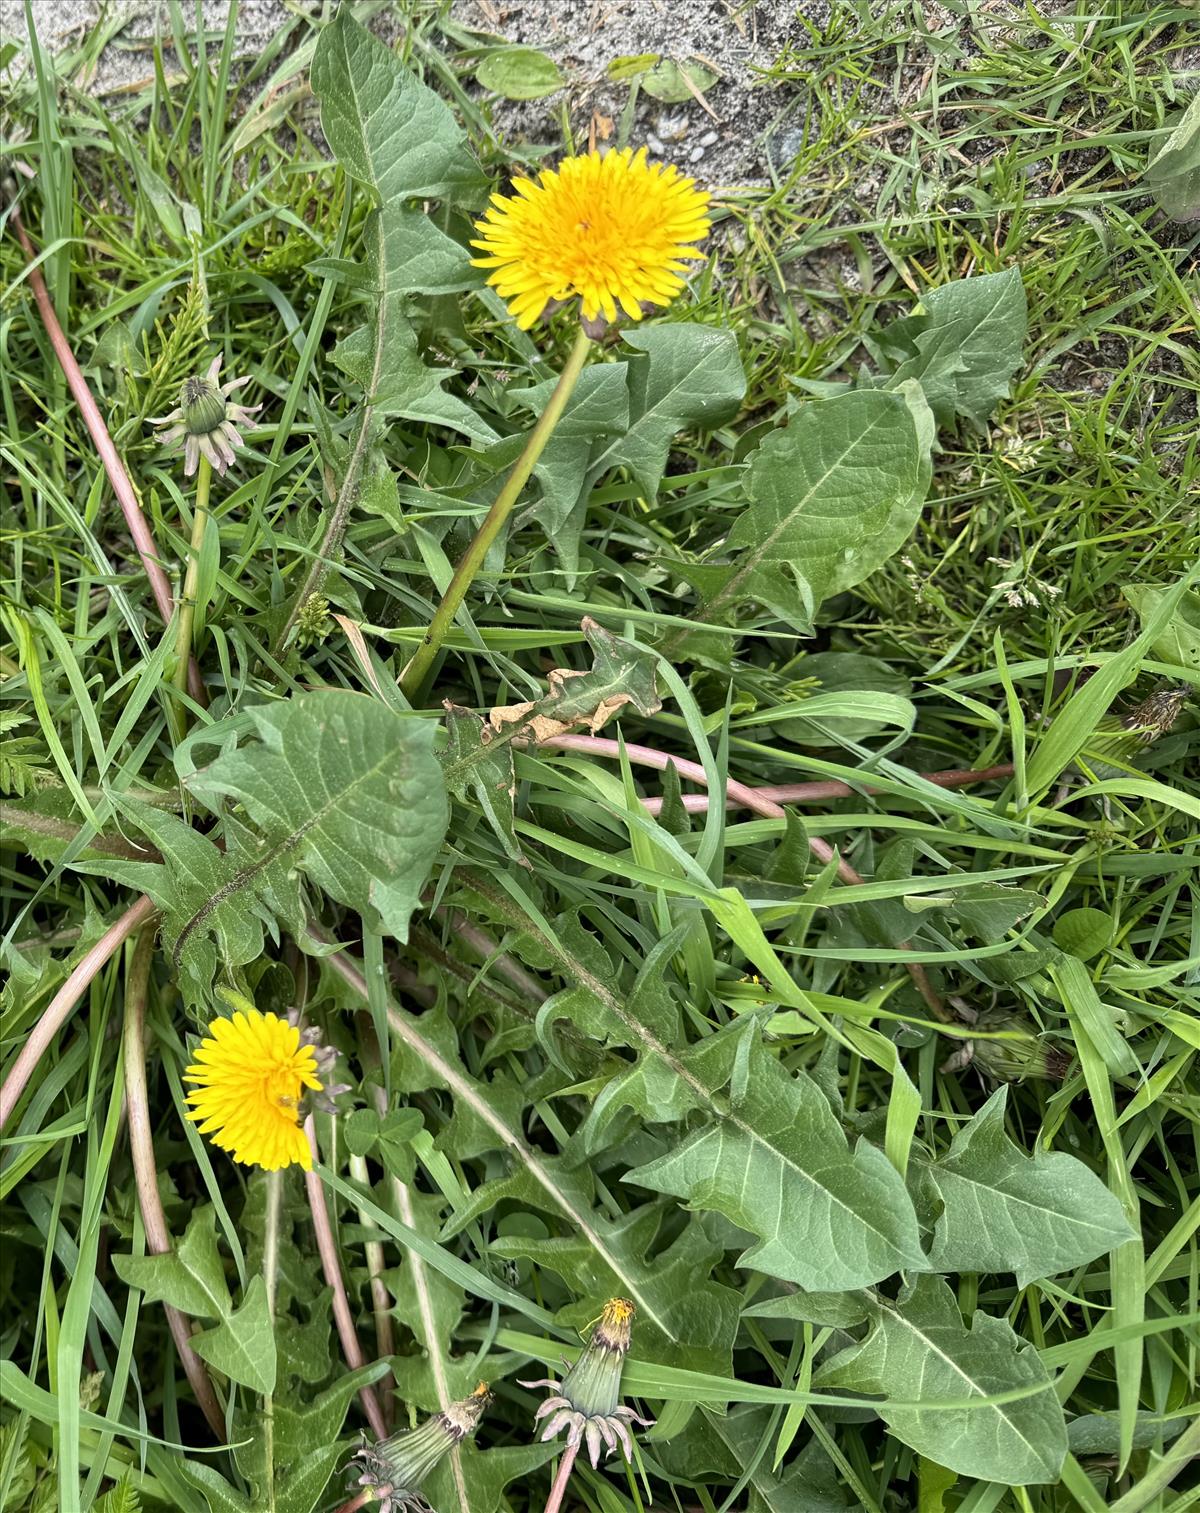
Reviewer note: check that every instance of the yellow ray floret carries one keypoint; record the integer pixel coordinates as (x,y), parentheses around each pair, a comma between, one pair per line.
(251,1073)
(613,230)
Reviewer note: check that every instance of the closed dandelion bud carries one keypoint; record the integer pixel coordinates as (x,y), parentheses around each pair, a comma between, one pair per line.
(205,422)
(1117,742)
(593,1383)
(587,1401)
(393,1470)
(203,406)
(1014,1060)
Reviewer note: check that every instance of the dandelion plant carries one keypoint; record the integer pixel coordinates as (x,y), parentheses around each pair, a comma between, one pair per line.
(675,892)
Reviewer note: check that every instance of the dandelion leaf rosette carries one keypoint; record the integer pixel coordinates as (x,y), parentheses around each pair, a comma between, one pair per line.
(963,345)
(387,129)
(403,144)
(830,497)
(684,1318)
(685,376)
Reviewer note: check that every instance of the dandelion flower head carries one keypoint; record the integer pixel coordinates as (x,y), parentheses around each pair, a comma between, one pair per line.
(613,230)
(251,1073)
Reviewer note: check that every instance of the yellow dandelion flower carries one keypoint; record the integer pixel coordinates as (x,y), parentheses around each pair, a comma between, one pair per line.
(251,1073)
(613,230)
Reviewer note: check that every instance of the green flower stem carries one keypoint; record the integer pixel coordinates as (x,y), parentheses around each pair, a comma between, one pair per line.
(187,604)
(413,679)
(381,1300)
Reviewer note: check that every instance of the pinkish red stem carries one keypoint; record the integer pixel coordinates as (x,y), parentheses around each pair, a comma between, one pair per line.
(756,800)
(141,1148)
(565,1467)
(331,1266)
(649,756)
(359,1500)
(813,793)
(483,945)
(740,794)
(63,1003)
(103,442)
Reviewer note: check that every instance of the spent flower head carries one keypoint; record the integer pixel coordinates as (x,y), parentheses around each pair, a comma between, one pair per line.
(393,1470)
(1015,1060)
(205,422)
(612,230)
(251,1073)
(587,1401)
(1120,739)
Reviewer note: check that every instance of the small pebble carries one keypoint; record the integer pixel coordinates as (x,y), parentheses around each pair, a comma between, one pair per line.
(708,139)
(785,147)
(695,155)
(654,145)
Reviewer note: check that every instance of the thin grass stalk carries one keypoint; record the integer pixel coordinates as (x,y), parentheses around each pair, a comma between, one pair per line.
(145,1170)
(756,800)
(437,1364)
(342,500)
(1155,1481)
(512,1140)
(483,945)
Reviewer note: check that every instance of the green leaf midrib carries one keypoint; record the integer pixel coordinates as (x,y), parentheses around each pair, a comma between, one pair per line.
(755,555)
(719,1106)
(936,1169)
(654,412)
(245,875)
(975,1390)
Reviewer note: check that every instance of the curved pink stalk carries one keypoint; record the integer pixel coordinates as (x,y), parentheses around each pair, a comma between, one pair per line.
(814,793)
(756,800)
(741,794)
(565,1466)
(483,945)
(750,798)
(63,1003)
(359,1500)
(649,756)
(141,1148)
(103,442)
(331,1266)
